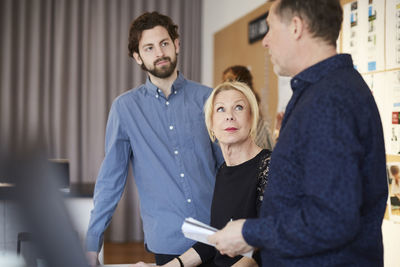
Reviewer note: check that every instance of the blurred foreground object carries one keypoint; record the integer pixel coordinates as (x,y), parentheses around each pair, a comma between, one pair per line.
(40,207)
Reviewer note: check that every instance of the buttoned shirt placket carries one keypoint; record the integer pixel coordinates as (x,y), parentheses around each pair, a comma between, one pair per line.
(173,131)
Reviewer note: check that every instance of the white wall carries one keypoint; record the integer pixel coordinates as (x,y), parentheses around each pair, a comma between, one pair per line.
(218,14)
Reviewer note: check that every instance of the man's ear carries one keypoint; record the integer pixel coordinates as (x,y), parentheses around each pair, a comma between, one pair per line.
(177,45)
(137,58)
(297,27)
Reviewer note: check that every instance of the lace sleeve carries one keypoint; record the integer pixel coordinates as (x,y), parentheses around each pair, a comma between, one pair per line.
(263,170)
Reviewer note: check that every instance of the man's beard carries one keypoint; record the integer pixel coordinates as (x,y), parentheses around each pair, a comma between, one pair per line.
(163,71)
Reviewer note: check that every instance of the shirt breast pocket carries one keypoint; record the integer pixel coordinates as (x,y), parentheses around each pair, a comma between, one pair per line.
(197,134)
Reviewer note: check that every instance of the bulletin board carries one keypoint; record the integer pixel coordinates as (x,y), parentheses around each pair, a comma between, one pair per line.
(371,34)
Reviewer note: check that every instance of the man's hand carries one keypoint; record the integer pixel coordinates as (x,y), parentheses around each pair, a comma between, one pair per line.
(92,258)
(230,240)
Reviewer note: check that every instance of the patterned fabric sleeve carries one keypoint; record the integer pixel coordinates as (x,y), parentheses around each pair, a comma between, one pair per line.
(262,178)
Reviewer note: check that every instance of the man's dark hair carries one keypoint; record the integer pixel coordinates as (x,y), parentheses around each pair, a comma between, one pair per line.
(394,170)
(238,73)
(323,17)
(242,74)
(148,21)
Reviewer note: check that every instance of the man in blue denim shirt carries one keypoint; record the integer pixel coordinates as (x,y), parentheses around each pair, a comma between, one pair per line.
(159,127)
(327,190)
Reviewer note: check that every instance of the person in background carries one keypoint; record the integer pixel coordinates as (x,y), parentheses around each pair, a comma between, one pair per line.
(231,114)
(242,74)
(159,128)
(395,186)
(327,186)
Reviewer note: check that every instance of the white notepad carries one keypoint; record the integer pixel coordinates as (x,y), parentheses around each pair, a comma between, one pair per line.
(196,230)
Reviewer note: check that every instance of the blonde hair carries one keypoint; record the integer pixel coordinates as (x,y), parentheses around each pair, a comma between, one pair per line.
(246,91)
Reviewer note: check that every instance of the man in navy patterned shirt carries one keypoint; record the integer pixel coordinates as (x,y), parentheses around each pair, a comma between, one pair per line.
(327,190)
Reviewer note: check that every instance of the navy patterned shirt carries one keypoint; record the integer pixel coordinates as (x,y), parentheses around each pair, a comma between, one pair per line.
(327,190)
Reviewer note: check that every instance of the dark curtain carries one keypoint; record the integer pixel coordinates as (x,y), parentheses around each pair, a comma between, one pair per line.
(62,64)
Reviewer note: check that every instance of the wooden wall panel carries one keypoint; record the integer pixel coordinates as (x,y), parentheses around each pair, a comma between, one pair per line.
(231,47)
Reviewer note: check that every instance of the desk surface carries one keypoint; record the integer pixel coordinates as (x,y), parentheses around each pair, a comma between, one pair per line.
(81,190)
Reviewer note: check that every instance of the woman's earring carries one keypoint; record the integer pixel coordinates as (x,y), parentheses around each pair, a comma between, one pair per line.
(213,134)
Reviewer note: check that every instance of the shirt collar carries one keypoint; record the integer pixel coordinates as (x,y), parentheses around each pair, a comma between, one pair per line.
(176,86)
(316,72)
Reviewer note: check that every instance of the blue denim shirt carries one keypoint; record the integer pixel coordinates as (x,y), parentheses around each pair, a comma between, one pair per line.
(327,188)
(173,160)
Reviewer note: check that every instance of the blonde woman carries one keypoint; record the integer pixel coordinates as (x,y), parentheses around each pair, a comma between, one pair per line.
(231,114)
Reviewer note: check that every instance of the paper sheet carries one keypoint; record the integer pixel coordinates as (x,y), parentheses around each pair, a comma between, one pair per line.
(196,230)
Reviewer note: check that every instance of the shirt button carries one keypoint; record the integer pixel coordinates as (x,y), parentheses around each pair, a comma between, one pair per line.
(189,200)
(156,96)
(176,152)
(182,175)
(159,90)
(171,127)
(175,92)
(167,103)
